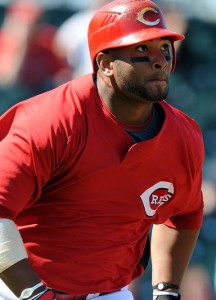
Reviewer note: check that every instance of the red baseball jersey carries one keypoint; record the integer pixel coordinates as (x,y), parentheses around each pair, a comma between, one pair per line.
(84,196)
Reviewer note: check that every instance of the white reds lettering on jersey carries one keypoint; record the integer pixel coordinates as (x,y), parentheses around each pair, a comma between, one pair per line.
(157,195)
(141,16)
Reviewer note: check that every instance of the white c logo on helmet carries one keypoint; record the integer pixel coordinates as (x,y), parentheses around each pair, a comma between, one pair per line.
(141,16)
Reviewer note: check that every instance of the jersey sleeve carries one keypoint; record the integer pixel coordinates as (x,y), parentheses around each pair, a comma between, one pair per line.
(22,173)
(16,169)
(190,218)
(34,142)
(191,213)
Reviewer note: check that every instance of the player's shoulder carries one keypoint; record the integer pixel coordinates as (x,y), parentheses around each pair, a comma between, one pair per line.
(184,122)
(65,98)
(188,130)
(60,107)
(84,86)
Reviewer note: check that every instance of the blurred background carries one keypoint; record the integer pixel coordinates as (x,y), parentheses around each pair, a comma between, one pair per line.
(43,44)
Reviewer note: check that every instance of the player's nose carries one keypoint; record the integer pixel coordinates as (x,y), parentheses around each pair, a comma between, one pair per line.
(159,61)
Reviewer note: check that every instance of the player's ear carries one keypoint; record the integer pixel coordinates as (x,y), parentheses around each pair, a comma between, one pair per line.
(104,62)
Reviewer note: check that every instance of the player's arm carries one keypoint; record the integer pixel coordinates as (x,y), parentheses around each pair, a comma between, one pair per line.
(15,269)
(171,250)
(22,280)
(20,276)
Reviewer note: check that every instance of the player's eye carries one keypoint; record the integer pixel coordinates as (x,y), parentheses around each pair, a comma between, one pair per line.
(165,48)
(142,48)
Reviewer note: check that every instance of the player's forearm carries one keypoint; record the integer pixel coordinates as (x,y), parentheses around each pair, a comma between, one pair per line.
(15,269)
(171,250)
(20,276)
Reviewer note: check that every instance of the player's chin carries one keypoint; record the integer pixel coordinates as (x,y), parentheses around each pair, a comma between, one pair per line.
(157,97)
(158,94)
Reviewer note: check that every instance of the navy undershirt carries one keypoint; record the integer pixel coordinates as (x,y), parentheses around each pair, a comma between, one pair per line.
(152,129)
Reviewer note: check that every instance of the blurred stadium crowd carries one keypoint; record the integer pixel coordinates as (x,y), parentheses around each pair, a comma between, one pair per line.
(43,44)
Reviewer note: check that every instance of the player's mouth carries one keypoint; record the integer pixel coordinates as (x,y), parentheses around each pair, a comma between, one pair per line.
(158,81)
(159,78)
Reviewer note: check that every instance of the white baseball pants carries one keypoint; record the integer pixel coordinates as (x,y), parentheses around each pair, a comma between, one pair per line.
(123,294)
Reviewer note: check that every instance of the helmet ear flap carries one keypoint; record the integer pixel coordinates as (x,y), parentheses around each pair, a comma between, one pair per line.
(173,57)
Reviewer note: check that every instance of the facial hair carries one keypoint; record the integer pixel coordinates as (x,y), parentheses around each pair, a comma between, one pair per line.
(144,93)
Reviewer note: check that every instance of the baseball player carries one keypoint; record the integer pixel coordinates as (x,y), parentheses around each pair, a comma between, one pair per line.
(88,168)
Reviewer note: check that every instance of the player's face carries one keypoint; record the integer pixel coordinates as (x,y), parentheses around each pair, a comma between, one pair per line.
(142,71)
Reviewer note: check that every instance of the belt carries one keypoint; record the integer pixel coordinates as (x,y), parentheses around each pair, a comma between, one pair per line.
(64,296)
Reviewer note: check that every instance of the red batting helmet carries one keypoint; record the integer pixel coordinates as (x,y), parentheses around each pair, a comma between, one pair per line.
(127,22)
